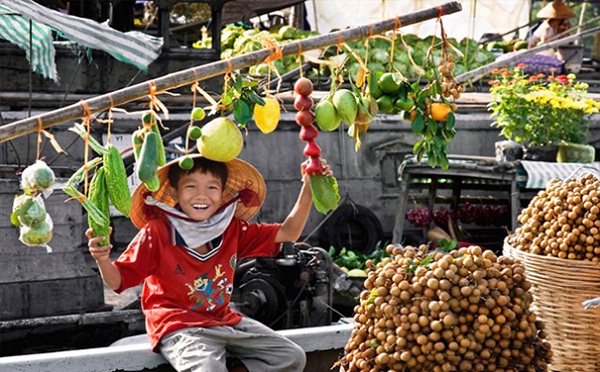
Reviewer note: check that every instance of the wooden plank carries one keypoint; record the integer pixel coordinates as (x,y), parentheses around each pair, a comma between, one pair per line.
(42,266)
(50,297)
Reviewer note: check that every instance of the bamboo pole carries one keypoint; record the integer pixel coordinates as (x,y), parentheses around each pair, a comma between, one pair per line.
(479,72)
(191,75)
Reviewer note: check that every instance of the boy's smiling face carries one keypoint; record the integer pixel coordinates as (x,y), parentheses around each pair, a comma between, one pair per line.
(199,194)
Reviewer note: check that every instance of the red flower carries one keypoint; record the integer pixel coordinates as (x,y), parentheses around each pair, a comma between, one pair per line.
(521,66)
(495,71)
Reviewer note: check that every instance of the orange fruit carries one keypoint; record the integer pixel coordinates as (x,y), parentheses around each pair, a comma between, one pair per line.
(440,111)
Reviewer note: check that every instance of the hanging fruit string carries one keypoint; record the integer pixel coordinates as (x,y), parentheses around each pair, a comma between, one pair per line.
(397,25)
(300,59)
(324,189)
(363,72)
(410,57)
(194,88)
(108,121)
(50,138)
(269,43)
(449,85)
(39,139)
(86,152)
(363,66)
(155,103)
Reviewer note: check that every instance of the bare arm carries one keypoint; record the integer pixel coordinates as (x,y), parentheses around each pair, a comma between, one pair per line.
(109,272)
(293,225)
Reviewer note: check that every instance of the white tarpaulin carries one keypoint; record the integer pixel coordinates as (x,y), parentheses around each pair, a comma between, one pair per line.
(476,18)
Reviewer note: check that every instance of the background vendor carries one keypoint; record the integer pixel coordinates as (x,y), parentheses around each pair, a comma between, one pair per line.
(556,15)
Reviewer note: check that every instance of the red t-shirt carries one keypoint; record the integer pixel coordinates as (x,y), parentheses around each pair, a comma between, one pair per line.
(184,289)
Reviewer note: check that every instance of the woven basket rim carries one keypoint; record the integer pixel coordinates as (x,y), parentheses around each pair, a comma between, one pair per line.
(554,261)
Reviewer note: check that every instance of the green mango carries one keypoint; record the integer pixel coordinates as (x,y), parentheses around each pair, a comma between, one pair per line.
(345,103)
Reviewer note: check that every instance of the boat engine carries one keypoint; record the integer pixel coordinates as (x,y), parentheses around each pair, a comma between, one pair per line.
(291,290)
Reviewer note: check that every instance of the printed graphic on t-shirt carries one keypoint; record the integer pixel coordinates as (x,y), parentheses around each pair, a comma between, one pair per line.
(233,261)
(207,293)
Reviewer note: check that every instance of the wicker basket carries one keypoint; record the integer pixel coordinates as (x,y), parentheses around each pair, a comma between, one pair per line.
(559,287)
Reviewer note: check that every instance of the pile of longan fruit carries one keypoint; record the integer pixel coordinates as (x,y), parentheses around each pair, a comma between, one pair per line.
(463,310)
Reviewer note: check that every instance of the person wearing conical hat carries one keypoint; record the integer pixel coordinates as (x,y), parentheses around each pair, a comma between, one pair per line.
(193,231)
(556,20)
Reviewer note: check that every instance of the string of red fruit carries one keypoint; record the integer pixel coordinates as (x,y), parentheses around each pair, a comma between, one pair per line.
(305,119)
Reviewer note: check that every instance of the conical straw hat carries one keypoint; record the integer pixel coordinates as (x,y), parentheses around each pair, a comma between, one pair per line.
(240,176)
(557,10)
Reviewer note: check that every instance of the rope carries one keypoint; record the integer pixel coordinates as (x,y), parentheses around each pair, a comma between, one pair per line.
(39,137)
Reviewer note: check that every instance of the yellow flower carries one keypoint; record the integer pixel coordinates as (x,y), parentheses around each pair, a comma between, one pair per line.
(591,110)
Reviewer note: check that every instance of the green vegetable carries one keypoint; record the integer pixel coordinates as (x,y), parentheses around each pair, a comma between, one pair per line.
(325,193)
(148,161)
(116,179)
(161,156)
(98,195)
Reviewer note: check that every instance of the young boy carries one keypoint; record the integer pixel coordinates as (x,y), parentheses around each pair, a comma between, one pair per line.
(193,230)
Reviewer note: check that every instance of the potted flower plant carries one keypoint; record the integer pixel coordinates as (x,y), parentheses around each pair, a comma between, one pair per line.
(539,111)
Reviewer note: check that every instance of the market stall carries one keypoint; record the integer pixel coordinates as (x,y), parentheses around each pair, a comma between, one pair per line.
(489,193)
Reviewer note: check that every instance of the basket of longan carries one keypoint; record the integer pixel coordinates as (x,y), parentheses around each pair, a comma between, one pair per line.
(445,310)
(558,242)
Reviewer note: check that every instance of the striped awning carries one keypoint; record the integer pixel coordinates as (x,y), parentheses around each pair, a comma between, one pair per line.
(132,47)
(39,49)
(540,172)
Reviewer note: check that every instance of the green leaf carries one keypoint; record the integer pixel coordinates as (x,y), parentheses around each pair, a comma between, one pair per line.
(372,296)
(443,162)
(250,84)
(227,97)
(448,246)
(418,124)
(331,251)
(254,97)
(427,260)
(431,160)
(415,86)
(450,121)
(238,83)
(242,112)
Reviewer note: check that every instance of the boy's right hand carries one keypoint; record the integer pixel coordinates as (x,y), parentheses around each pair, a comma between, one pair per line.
(99,253)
